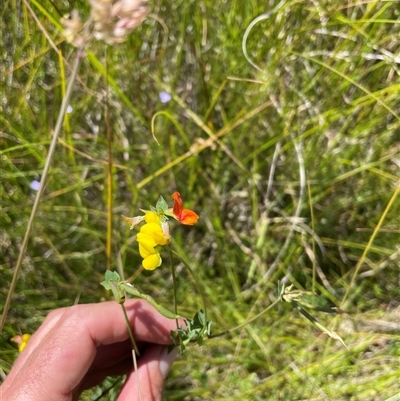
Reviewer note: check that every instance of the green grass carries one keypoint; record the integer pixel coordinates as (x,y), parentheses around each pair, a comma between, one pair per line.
(316,103)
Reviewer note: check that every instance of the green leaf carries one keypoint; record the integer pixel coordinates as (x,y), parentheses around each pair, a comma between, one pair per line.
(305,299)
(112,283)
(161,205)
(308,300)
(110,276)
(395,397)
(194,331)
(315,322)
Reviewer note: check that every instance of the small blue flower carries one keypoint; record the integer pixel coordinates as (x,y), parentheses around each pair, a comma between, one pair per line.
(165,97)
(35,185)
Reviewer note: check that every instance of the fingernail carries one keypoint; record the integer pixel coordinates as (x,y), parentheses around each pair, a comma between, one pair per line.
(166,361)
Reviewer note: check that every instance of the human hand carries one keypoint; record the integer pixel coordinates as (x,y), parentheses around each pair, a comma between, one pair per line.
(77,347)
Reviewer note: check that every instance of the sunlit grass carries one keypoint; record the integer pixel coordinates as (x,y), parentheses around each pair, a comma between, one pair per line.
(315,102)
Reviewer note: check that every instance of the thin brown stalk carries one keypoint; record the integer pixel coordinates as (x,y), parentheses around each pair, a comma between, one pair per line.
(57,131)
(109,175)
(135,350)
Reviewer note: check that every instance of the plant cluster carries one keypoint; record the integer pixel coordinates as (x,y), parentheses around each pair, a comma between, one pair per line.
(302,166)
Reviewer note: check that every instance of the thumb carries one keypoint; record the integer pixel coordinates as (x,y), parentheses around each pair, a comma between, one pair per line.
(153,367)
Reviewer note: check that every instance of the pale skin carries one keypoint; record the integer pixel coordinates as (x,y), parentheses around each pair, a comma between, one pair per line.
(77,347)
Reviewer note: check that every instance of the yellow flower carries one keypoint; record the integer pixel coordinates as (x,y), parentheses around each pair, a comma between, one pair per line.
(21,340)
(151,217)
(150,238)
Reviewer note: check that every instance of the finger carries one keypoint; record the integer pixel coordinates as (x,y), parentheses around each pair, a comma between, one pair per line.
(153,368)
(108,355)
(95,377)
(66,352)
(50,321)
(110,360)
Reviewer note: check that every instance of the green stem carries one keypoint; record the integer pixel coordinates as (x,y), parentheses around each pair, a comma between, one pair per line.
(174,285)
(57,131)
(368,247)
(128,325)
(130,289)
(198,288)
(222,333)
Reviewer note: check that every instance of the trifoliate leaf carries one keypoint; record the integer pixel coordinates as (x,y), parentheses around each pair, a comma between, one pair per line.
(161,205)
(111,283)
(195,331)
(110,276)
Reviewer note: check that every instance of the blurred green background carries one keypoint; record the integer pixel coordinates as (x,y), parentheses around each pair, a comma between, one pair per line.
(282,133)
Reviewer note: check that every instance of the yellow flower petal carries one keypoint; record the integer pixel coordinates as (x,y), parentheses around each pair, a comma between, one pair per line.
(21,340)
(150,237)
(151,217)
(22,346)
(155,230)
(146,239)
(151,228)
(146,251)
(152,261)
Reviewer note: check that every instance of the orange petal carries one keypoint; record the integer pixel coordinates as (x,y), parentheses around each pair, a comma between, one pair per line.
(188,217)
(17,339)
(178,205)
(184,216)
